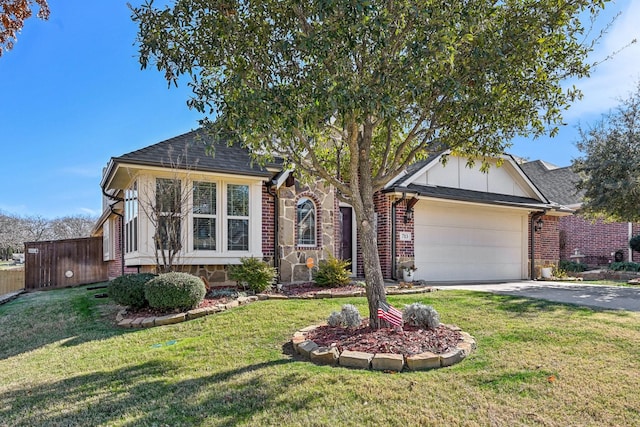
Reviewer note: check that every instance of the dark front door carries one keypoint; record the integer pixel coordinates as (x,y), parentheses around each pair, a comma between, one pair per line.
(346,243)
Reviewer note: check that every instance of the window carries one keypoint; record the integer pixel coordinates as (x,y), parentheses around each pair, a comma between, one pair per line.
(237,217)
(306,221)
(204,216)
(167,211)
(131,218)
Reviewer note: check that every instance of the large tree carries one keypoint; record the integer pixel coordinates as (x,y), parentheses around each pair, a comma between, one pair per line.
(353,91)
(609,167)
(13,13)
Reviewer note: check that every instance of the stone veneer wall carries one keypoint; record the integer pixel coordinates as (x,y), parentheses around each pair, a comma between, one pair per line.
(293,258)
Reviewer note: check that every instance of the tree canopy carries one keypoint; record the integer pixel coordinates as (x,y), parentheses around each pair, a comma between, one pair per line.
(354,91)
(609,167)
(13,13)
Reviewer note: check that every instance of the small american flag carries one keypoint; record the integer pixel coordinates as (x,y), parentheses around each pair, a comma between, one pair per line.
(390,314)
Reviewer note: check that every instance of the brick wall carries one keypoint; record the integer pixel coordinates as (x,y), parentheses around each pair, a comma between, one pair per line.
(114,267)
(596,240)
(546,241)
(268,224)
(382,206)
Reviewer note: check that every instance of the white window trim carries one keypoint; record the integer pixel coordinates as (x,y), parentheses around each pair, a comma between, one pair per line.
(190,256)
(315,220)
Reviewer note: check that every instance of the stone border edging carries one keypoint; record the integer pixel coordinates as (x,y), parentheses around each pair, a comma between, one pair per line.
(169,319)
(351,294)
(381,361)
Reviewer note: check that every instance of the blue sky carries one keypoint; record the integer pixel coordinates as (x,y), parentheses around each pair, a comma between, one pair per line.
(72,95)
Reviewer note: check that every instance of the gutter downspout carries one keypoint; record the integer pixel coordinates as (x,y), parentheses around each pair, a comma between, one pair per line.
(534,217)
(630,236)
(276,214)
(394,274)
(121,216)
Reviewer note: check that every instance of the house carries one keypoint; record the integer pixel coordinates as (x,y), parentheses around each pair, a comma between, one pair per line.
(454,222)
(595,243)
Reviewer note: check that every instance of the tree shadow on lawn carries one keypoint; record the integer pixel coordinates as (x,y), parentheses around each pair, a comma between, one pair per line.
(27,324)
(145,395)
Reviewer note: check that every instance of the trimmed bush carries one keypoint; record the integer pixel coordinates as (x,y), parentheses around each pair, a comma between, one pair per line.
(175,290)
(571,266)
(129,289)
(624,266)
(253,273)
(332,273)
(421,315)
(335,319)
(349,317)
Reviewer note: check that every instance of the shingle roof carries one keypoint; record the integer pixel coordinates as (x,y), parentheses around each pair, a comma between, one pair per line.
(189,151)
(471,196)
(557,184)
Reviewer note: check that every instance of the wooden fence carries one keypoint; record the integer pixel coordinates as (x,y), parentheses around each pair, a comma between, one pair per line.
(11,281)
(64,263)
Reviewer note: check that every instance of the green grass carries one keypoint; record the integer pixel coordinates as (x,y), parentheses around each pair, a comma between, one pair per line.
(62,362)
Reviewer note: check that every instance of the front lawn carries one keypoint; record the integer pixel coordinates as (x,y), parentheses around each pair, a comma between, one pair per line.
(537,363)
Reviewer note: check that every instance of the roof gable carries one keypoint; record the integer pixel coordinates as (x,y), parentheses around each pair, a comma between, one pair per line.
(507,179)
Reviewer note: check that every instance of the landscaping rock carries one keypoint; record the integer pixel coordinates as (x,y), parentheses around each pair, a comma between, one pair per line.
(452,357)
(148,322)
(387,362)
(306,347)
(325,355)
(355,359)
(232,304)
(468,339)
(322,294)
(422,361)
(125,323)
(170,319)
(137,322)
(197,312)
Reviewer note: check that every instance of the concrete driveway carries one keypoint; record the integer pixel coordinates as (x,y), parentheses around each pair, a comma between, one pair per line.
(608,297)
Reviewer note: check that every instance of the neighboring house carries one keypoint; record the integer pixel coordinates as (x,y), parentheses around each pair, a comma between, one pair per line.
(579,239)
(453,222)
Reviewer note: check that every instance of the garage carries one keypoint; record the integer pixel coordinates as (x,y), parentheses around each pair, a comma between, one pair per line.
(469,242)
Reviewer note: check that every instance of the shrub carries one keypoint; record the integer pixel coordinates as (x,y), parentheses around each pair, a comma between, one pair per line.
(332,273)
(624,266)
(254,273)
(129,289)
(420,315)
(634,243)
(335,319)
(175,290)
(224,293)
(349,317)
(572,266)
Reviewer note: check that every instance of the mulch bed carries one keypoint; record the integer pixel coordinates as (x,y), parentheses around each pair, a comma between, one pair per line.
(309,289)
(408,341)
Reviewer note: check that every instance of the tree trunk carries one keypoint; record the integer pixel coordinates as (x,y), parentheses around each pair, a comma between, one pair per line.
(372,270)
(363,204)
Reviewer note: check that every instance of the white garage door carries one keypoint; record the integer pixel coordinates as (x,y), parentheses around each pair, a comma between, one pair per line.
(455,242)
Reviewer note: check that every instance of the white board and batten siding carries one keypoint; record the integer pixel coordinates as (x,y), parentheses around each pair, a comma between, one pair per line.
(457,241)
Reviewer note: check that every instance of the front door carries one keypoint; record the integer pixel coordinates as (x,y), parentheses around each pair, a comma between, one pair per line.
(346,239)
